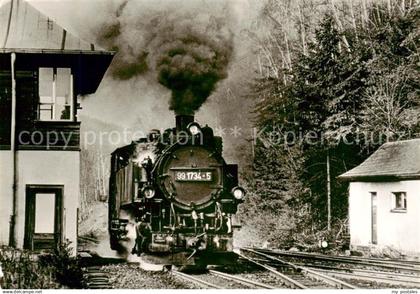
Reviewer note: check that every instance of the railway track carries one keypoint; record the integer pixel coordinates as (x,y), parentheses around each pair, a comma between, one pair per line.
(95,278)
(280,271)
(392,278)
(220,280)
(392,275)
(240,280)
(374,276)
(394,265)
(294,276)
(200,282)
(93,275)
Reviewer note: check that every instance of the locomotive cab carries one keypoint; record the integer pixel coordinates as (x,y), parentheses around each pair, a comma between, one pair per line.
(179,194)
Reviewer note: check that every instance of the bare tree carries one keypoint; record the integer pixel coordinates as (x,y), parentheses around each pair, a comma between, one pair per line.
(339,25)
(387,112)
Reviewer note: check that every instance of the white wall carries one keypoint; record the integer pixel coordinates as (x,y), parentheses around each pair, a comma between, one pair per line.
(398,230)
(6,194)
(50,168)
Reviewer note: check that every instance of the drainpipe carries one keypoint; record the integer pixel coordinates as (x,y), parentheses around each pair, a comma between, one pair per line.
(12,237)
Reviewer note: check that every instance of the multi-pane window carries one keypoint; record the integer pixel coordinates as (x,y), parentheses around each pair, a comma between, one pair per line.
(55,94)
(399,200)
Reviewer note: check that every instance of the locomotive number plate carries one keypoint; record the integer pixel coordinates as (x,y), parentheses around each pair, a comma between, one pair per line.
(193,176)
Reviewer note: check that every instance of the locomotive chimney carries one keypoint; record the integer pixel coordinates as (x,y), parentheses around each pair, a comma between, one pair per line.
(182,121)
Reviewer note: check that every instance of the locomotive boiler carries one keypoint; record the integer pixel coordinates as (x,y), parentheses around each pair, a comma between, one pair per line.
(180,194)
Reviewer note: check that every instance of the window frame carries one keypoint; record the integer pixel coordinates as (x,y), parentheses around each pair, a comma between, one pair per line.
(394,203)
(53,104)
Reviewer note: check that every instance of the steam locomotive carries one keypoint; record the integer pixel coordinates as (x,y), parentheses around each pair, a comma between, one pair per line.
(179,192)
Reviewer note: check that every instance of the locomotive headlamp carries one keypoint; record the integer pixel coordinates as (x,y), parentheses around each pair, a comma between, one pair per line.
(148,192)
(238,193)
(194,128)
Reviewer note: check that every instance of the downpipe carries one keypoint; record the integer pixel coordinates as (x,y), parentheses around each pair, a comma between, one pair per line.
(12,231)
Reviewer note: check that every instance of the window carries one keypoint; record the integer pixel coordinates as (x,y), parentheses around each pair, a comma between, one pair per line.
(399,201)
(55,94)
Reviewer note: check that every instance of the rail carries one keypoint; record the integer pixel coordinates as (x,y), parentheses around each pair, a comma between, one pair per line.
(308,272)
(196,280)
(241,280)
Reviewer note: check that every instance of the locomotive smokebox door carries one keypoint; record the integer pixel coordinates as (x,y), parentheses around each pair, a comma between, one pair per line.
(191,175)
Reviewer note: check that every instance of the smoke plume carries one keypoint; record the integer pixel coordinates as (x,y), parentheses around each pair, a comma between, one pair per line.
(186,46)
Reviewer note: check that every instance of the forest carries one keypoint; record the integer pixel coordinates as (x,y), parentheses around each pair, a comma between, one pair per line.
(322,84)
(336,81)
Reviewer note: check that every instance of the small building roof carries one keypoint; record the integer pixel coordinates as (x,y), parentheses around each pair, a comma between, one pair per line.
(392,161)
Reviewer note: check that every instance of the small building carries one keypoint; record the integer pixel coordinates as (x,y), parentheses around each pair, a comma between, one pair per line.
(44,70)
(384,199)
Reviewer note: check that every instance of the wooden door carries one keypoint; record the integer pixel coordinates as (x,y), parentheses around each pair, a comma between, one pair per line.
(43,224)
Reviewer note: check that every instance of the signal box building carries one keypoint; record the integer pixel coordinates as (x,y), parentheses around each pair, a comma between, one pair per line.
(384,199)
(43,71)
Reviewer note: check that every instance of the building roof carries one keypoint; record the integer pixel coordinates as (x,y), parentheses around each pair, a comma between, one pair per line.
(392,161)
(38,41)
(25,29)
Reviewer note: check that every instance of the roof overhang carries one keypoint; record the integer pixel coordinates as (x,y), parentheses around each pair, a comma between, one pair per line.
(55,51)
(88,66)
(378,178)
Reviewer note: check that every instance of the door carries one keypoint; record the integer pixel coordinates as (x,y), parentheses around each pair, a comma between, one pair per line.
(43,224)
(374,221)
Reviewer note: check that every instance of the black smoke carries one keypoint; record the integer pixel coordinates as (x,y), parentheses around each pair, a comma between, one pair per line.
(190,65)
(186,48)
(127,63)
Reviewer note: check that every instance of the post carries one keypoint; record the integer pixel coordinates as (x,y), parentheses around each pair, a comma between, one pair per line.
(328,191)
(12,232)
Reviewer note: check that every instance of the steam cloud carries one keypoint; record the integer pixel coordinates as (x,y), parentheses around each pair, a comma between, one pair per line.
(185,45)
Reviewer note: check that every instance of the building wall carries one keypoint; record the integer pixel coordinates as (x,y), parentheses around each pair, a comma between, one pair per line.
(50,168)
(6,194)
(398,230)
